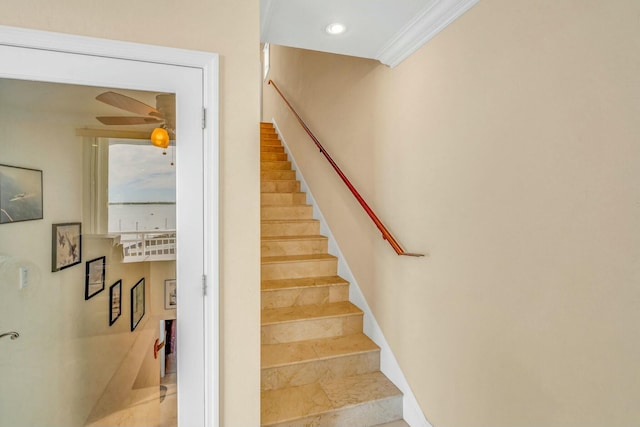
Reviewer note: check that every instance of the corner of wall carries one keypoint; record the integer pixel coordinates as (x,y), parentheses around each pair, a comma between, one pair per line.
(389,366)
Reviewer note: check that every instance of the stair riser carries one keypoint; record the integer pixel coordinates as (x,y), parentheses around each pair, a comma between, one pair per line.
(317,370)
(293,247)
(275,165)
(283,198)
(305,296)
(280,186)
(366,414)
(268,157)
(275,175)
(286,212)
(290,229)
(299,269)
(271,149)
(311,329)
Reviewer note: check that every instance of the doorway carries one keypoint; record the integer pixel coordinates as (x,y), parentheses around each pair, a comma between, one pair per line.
(27,57)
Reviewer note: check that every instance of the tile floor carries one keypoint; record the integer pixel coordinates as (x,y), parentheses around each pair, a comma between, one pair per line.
(169,405)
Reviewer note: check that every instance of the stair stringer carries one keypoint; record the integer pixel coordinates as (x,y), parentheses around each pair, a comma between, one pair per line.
(389,366)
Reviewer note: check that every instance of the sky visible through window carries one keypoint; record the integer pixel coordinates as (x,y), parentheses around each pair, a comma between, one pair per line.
(141,173)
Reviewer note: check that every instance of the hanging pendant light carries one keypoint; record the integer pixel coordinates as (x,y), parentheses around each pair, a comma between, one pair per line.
(160,137)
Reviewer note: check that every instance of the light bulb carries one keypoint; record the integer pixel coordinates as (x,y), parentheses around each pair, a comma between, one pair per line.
(160,137)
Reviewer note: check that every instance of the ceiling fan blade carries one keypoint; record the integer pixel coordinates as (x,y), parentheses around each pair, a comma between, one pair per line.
(126,120)
(128,104)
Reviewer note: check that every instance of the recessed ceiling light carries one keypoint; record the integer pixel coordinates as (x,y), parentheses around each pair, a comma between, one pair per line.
(335,28)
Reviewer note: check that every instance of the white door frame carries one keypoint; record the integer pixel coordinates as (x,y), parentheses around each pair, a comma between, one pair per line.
(104,50)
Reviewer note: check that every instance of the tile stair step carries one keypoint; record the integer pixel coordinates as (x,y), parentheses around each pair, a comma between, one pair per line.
(360,400)
(286,212)
(297,266)
(279,186)
(397,423)
(293,245)
(289,227)
(271,157)
(305,362)
(305,322)
(275,175)
(267,142)
(296,198)
(271,149)
(303,291)
(300,352)
(275,165)
(301,283)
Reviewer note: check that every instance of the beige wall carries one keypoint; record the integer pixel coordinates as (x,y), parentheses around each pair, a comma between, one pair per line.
(231,29)
(508,149)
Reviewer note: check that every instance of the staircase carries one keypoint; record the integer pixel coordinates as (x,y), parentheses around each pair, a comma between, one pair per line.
(318,368)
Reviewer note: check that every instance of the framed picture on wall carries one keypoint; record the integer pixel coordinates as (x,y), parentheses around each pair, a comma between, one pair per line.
(115,302)
(66,248)
(20,194)
(170,294)
(94,279)
(137,303)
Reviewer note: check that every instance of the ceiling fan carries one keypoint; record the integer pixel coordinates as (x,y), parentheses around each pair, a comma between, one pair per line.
(163,115)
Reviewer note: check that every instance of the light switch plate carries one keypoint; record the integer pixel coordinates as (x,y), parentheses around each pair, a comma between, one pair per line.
(24,277)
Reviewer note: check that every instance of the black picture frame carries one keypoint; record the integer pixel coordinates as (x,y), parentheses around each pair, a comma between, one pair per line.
(137,304)
(66,245)
(94,277)
(170,288)
(115,302)
(21,196)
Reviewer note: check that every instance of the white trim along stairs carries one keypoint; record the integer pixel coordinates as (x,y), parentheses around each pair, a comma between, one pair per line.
(317,366)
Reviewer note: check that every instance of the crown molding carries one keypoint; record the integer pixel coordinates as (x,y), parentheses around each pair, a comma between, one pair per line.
(427,23)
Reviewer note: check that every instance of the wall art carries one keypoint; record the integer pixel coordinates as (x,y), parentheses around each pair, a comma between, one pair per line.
(170,294)
(137,303)
(115,302)
(20,194)
(94,278)
(66,249)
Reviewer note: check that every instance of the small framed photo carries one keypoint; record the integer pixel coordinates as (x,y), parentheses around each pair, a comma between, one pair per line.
(66,249)
(115,302)
(94,279)
(170,294)
(20,194)
(137,303)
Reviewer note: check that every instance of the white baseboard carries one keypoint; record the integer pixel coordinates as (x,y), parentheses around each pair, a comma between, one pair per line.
(412,413)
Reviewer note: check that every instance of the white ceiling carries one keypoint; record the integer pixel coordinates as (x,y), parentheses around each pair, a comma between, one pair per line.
(386,30)
(78,102)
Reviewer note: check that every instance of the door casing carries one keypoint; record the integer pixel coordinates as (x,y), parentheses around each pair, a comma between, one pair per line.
(61,58)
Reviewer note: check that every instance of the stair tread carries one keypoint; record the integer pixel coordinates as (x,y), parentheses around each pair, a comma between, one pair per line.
(278,181)
(292,238)
(287,192)
(297,258)
(304,282)
(284,220)
(291,403)
(397,423)
(276,355)
(271,316)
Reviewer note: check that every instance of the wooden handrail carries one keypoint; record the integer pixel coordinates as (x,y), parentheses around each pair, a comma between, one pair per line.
(386,235)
